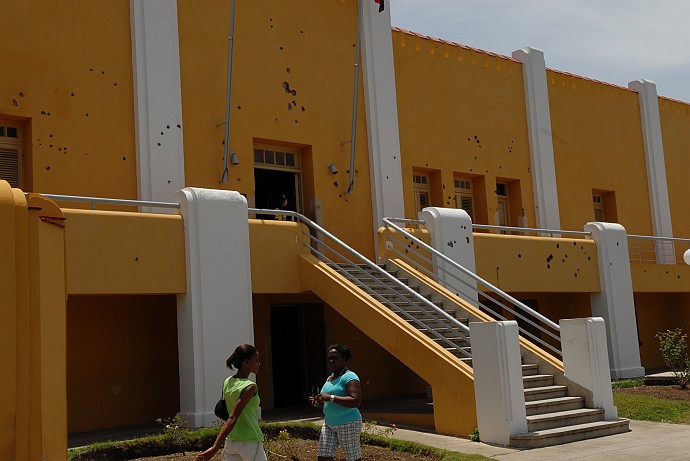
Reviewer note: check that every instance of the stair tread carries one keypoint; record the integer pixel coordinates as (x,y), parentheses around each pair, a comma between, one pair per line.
(536,390)
(565,413)
(554,401)
(536,377)
(557,431)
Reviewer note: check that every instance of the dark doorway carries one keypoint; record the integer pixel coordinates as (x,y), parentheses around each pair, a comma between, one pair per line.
(271,185)
(298,351)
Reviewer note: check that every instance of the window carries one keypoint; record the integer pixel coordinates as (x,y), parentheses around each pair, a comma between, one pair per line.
(11,155)
(278,157)
(464,197)
(422,192)
(502,210)
(598,208)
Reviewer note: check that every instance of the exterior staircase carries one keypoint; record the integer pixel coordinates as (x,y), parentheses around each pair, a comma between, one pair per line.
(553,416)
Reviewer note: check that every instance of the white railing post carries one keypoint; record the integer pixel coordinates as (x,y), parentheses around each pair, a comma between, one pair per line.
(498,389)
(615,302)
(586,360)
(450,230)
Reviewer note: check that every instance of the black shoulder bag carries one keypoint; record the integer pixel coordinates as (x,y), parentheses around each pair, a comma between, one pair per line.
(221,409)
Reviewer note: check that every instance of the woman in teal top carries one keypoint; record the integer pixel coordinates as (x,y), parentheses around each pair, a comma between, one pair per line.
(240,434)
(341,395)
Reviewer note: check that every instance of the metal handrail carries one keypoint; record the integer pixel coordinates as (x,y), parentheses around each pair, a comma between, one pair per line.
(530,229)
(495,290)
(653,237)
(463,330)
(109,201)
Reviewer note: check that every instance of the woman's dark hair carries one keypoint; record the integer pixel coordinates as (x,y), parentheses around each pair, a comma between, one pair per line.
(242,352)
(342,349)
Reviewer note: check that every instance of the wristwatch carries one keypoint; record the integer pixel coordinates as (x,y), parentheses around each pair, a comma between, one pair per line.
(332,398)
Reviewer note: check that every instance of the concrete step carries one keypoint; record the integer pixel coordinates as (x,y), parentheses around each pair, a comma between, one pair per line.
(530,369)
(564,418)
(544,393)
(558,436)
(537,381)
(538,407)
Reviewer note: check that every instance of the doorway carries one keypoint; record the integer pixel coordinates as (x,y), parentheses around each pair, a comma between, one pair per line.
(298,352)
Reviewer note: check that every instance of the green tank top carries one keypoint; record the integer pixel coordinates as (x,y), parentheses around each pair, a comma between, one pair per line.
(247,426)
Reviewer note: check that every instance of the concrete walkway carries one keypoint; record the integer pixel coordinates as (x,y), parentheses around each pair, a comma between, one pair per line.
(646,440)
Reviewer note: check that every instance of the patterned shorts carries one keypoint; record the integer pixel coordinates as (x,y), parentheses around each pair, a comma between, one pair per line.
(346,435)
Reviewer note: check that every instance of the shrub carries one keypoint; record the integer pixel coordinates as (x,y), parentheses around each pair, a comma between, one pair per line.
(673,348)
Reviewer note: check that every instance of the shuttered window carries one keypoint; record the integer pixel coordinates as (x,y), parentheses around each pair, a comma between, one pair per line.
(11,168)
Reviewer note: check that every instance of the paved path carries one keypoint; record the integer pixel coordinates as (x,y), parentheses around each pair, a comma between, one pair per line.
(646,440)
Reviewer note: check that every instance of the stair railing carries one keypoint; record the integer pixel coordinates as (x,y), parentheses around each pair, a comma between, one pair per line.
(489,298)
(339,256)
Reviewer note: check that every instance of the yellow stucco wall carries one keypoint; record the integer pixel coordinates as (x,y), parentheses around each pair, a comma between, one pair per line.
(122,366)
(675,125)
(597,144)
(658,312)
(69,78)
(124,253)
(463,114)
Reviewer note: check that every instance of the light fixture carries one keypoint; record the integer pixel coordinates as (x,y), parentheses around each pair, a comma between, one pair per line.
(226,169)
(233,158)
(332,168)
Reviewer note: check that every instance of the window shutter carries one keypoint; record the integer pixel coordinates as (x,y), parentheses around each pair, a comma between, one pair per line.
(9,167)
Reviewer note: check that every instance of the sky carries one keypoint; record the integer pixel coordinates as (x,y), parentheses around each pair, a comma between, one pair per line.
(609,40)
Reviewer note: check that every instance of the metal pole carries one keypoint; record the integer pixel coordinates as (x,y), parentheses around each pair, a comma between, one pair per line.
(228,91)
(355,100)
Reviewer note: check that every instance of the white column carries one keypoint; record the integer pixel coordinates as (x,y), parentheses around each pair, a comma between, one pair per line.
(615,302)
(540,138)
(157,99)
(382,115)
(656,168)
(586,360)
(498,387)
(215,315)
(450,230)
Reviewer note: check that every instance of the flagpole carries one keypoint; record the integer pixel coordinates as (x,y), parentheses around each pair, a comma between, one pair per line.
(224,178)
(355,99)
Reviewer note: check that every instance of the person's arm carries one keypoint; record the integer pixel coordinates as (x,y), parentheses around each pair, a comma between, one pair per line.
(245,396)
(353,398)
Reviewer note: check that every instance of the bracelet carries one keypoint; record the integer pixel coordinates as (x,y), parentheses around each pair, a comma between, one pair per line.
(332,398)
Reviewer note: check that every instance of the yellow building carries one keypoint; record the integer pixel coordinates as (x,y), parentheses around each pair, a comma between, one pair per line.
(107,313)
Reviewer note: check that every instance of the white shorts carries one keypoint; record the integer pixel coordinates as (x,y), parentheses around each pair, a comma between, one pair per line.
(243,451)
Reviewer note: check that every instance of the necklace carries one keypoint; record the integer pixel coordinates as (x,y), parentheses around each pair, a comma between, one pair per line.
(342,372)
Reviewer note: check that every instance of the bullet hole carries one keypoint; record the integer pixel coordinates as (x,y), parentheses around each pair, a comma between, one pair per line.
(115,84)
(386,177)
(286,87)
(50,145)
(394,157)
(287,70)
(500,167)
(468,139)
(167,126)
(168,181)
(301,31)
(102,72)
(566,256)
(271,26)
(340,195)
(610,264)
(293,92)
(43,112)
(161,133)
(21,94)
(450,244)
(71,94)
(136,258)
(296,121)
(356,171)
(270,19)
(238,108)
(582,248)
(281,48)
(87,114)
(59,149)
(276,119)
(90,70)
(289,106)
(48,114)
(558,245)
(548,266)
(575,274)
(548,260)
(303,109)
(589,258)
(467,240)
(574,243)
(519,255)
(47,168)
(562,260)
(15,103)
(158,143)
(447,203)
(427,164)
(470,170)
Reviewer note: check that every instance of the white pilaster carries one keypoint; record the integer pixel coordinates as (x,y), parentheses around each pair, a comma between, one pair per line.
(498,387)
(586,360)
(656,168)
(382,114)
(450,230)
(615,302)
(157,99)
(215,315)
(540,139)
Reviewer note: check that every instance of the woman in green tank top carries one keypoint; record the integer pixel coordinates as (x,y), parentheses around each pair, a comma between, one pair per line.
(240,435)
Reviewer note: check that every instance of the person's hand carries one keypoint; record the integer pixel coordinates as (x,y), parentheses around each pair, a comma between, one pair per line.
(206,455)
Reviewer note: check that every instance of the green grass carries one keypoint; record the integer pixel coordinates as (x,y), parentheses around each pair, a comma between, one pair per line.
(627,383)
(646,408)
(198,440)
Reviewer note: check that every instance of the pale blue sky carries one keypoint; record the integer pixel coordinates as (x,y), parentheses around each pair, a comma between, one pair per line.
(610,40)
